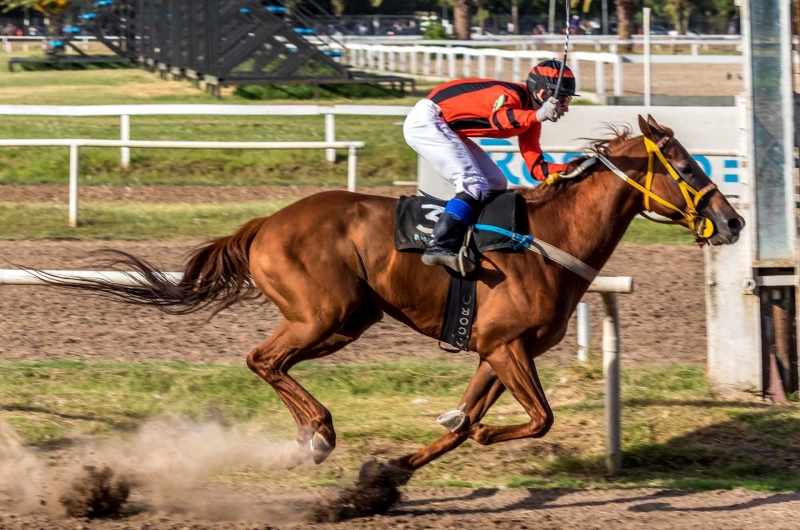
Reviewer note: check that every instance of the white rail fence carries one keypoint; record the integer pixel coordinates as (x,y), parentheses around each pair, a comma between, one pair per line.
(126,111)
(75,144)
(607,287)
(441,62)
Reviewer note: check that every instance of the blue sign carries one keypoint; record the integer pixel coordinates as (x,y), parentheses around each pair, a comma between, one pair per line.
(723,170)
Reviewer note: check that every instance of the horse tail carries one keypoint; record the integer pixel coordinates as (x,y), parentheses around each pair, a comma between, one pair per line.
(216,275)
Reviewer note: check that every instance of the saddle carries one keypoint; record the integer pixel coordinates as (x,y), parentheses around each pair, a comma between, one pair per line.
(416,215)
(414,221)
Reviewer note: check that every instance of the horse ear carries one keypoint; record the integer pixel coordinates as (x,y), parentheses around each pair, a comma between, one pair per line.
(647,129)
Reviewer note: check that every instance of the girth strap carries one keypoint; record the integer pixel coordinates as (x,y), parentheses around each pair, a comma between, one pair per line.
(547,250)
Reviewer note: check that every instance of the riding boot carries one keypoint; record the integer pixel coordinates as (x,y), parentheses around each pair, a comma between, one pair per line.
(448,235)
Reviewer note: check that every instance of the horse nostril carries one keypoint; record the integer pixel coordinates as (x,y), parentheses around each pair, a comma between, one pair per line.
(735,225)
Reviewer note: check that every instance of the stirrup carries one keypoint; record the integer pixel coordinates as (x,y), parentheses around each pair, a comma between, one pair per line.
(463,256)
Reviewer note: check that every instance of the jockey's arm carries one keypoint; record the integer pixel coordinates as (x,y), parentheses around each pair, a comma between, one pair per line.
(507,117)
(534,158)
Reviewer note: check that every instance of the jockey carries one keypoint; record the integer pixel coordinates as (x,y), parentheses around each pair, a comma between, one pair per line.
(438,127)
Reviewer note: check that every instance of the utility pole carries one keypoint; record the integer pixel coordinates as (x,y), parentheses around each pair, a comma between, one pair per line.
(551,24)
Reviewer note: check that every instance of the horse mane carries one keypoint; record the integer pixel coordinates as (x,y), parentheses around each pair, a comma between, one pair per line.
(543,194)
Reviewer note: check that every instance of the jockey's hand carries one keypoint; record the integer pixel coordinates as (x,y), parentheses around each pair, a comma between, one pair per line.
(552,178)
(548,111)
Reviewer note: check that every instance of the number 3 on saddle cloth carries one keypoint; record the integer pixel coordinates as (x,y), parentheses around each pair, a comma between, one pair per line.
(413,225)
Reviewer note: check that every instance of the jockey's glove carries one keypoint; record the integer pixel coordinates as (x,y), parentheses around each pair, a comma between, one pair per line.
(548,111)
(552,178)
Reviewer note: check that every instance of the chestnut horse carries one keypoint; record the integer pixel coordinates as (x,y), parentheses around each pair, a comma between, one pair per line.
(328,263)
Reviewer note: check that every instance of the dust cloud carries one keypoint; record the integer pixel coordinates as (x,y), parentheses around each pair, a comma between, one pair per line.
(168,463)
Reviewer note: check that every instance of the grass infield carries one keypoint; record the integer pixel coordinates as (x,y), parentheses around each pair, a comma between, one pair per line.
(142,221)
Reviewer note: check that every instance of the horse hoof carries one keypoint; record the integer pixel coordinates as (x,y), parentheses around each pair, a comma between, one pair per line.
(320,448)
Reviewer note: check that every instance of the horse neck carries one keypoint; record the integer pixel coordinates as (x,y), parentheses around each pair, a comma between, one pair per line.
(589,218)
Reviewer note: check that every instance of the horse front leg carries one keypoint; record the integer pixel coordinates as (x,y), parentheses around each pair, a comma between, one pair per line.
(483,390)
(377,488)
(517,371)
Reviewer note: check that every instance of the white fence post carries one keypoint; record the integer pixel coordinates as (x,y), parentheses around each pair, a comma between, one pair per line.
(451,64)
(352,159)
(439,70)
(583,331)
(125,135)
(330,136)
(381,60)
(576,69)
(498,65)
(468,63)
(426,63)
(612,390)
(618,76)
(482,65)
(600,78)
(73,185)
(413,61)
(515,73)
(647,95)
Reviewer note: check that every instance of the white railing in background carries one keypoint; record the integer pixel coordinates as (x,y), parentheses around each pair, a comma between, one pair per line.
(126,111)
(695,42)
(429,61)
(607,287)
(75,144)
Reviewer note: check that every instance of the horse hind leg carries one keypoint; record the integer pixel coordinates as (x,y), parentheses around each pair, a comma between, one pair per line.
(294,342)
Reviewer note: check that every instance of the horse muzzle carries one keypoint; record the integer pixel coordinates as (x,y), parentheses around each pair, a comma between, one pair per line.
(726,229)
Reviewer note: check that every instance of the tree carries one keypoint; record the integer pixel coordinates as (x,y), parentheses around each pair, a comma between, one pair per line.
(49,8)
(679,12)
(462,13)
(625,18)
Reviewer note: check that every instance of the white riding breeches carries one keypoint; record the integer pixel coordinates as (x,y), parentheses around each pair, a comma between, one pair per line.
(460,161)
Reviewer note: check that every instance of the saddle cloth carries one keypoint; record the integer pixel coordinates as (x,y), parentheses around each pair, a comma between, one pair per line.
(416,215)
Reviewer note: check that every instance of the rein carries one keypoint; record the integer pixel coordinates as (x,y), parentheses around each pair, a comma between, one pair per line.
(700,225)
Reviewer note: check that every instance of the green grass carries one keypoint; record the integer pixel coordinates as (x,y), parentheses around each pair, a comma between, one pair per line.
(644,232)
(385,158)
(676,431)
(133,221)
(142,221)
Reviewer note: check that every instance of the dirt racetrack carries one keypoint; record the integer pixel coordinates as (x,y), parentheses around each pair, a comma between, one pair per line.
(445,508)
(666,308)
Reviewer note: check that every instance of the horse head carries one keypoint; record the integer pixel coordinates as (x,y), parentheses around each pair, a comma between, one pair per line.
(691,198)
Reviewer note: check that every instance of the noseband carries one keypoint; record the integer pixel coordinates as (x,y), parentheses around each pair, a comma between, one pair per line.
(700,225)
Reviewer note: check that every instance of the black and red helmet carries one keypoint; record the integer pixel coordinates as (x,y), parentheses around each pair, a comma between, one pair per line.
(545,76)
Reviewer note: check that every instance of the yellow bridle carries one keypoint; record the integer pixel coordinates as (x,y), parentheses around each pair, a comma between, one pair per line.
(700,225)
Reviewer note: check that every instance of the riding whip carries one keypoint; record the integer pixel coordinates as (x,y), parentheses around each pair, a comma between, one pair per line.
(564,60)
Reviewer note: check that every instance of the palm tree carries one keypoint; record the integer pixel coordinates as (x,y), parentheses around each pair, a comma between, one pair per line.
(462,13)
(625,19)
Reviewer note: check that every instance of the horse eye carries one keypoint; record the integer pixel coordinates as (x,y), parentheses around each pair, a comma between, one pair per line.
(686,169)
